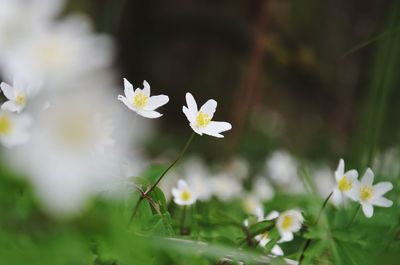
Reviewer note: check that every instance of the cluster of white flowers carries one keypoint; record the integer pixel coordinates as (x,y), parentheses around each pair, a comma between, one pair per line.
(364,192)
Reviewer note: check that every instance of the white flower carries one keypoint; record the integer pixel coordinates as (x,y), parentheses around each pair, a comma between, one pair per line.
(345,183)
(262,189)
(289,222)
(201,120)
(251,204)
(17,95)
(13,129)
(225,187)
(183,194)
(372,195)
(198,177)
(141,102)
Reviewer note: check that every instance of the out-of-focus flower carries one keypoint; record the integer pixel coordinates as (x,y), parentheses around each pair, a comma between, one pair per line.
(262,189)
(226,187)
(183,194)
(344,183)
(370,195)
(201,120)
(289,222)
(17,95)
(141,102)
(281,167)
(59,52)
(238,167)
(251,204)
(198,177)
(14,129)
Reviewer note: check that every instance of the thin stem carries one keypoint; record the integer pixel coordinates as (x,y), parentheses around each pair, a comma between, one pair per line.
(354,216)
(308,242)
(182,227)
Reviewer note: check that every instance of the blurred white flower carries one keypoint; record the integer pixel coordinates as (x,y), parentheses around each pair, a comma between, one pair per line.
(141,102)
(74,152)
(238,167)
(183,194)
(344,183)
(262,189)
(281,167)
(289,222)
(201,120)
(251,204)
(17,94)
(370,195)
(58,52)
(198,177)
(225,187)
(14,129)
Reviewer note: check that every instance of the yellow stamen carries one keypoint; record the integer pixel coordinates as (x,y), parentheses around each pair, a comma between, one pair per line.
(20,99)
(366,193)
(185,195)
(287,222)
(202,119)
(140,100)
(345,184)
(5,125)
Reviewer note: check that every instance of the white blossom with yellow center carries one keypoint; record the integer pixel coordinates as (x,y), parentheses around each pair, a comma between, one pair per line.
(201,120)
(370,195)
(141,102)
(289,222)
(14,129)
(345,184)
(17,95)
(183,194)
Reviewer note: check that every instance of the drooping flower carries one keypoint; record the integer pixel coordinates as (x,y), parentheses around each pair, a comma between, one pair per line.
(14,129)
(201,120)
(370,195)
(17,95)
(289,222)
(345,183)
(141,102)
(183,194)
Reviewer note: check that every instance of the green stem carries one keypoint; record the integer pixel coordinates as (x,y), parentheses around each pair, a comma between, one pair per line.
(308,242)
(182,227)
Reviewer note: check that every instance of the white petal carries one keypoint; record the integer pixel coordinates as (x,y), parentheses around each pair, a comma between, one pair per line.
(11,106)
(368,177)
(151,114)
(272,215)
(191,103)
(128,90)
(354,192)
(127,103)
(182,184)
(209,107)
(156,101)
(146,88)
(196,129)
(188,114)
(352,174)
(382,202)
(8,91)
(175,192)
(368,209)
(277,251)
(214,128)
(340,170)
(286,236)
(381,188)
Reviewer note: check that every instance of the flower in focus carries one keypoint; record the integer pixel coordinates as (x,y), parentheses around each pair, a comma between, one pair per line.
(289,222)
(225,187)
(141,102)
(13,129)
(17,95)
(345,183)
(201,120)
(183,194)
(372,195)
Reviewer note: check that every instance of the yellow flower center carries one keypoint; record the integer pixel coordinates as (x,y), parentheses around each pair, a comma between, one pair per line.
(5,125)
(202,119)
(20,99)
(185,195)
(366,193)
(140,100)
(345,184)
(287,222)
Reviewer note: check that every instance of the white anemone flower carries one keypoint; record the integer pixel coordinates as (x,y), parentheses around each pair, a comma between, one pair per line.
(198,177)
(183,194)
(17,95)
(289,222)
(141,102)
(225,187)
(14,129)
(262,189)
(370,195)
(345,183)
(201,120)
